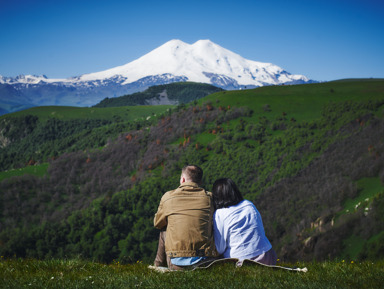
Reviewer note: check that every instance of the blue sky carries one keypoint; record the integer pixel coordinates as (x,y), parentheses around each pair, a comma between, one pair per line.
(323,40)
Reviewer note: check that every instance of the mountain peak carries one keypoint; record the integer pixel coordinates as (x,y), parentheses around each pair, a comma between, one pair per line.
(203,61)
(204,42)
(173,44)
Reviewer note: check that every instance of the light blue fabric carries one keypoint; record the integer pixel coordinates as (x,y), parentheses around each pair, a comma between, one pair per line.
(186,261)
(239,231)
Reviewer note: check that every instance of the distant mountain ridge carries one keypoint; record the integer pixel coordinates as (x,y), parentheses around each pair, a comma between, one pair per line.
(174,61)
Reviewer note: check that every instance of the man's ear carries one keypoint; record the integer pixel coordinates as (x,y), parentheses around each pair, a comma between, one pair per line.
(182,179)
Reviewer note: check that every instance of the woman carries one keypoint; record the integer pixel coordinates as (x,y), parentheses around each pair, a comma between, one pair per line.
(238,228)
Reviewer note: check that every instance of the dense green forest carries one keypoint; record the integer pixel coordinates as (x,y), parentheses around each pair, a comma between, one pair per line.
(174,93)
(311,158)
(37,134)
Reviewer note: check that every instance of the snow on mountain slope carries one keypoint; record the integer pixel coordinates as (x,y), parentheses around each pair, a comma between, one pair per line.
(174,61)
(195,62)
(198,62)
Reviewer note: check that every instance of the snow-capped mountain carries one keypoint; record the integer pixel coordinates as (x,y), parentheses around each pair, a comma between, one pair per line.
(174,61)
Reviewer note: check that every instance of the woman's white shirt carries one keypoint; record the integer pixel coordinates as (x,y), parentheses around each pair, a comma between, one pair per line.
(239,231)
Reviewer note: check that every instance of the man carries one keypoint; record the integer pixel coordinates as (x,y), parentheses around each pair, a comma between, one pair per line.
(187,215)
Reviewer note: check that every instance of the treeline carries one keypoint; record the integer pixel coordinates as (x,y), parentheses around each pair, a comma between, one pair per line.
(180,92)
(76,178)
(26,140)
(100,203)
(118,226)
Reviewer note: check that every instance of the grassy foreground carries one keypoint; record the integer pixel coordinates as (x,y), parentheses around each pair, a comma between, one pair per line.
(22,273)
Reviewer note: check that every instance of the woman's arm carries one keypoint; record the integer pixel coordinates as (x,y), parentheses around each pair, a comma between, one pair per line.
(219,233)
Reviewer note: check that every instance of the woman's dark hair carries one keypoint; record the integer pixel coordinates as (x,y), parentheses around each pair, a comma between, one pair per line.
(225,193)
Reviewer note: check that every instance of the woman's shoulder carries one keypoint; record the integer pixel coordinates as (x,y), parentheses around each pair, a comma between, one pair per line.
(239,206)
(245,203)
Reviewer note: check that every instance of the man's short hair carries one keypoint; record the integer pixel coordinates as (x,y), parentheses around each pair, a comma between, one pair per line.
(193,173)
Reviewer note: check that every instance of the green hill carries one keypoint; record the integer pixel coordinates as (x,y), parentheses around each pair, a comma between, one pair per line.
(44,113)
(303,102)
(174,93)
(37,134)
(309,156)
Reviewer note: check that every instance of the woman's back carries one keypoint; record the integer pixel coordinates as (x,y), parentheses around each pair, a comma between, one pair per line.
(239,231)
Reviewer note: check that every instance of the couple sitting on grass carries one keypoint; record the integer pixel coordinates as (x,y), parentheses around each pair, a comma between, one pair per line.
(198,226)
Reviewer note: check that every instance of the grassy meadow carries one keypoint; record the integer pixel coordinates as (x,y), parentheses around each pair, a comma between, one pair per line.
(27,273)
(128,113)
(302,102)
(36,170)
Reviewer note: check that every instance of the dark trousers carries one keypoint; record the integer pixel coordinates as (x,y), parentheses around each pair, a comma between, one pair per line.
(162,260)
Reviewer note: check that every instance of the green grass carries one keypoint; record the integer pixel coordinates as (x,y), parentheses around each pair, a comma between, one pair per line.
(37,170)
(353,247)
(126,113)
(205,138)
(368,188)
(302,102)
(20,273)
(376,237)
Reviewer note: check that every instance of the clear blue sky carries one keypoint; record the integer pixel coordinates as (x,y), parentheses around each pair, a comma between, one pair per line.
(321,39)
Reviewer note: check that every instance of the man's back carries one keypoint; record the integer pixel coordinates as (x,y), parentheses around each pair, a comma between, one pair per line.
(187,213)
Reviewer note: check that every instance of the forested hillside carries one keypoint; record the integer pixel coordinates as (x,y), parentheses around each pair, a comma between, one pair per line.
(311,157)
(37,134)
(174,93)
